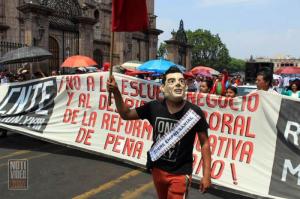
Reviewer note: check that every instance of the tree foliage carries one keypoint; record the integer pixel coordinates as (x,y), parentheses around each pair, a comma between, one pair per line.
(236,65)
(162,50)
(208,49)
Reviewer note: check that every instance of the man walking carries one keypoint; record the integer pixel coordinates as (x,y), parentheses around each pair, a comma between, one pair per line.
(175,123)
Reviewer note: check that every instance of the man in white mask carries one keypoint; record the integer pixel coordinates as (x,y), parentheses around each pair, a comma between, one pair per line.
(175,123)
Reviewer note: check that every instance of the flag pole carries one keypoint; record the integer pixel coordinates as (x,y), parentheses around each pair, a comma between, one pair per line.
(112,41)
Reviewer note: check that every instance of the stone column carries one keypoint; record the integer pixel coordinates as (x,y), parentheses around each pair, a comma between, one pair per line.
(86,35)
(172,51)
(188,59)
(36,24)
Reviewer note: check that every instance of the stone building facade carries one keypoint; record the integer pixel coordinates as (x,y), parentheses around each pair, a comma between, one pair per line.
(70,27)
(178,49)
(280,61)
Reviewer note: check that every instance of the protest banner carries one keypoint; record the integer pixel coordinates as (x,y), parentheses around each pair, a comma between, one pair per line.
(254,139)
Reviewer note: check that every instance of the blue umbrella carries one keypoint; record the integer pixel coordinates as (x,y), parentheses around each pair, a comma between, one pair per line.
(156,66)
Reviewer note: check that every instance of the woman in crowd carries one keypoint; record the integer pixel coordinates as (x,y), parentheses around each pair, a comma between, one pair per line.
(231,92)
(205,86)
(292,91)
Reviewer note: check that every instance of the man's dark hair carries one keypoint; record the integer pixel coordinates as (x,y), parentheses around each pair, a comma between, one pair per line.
(172,69)
(267,76)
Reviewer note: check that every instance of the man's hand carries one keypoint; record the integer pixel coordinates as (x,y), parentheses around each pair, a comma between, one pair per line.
(111,84)
(205,183)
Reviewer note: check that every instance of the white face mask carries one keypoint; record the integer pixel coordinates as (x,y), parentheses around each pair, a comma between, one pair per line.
(174,87)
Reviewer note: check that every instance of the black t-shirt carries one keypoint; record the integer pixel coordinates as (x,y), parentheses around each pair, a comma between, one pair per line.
(179,159)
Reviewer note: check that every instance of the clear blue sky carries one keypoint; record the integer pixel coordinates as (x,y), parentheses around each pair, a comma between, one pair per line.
(267,28)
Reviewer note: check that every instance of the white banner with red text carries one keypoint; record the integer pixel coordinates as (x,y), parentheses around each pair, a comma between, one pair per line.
(254,139)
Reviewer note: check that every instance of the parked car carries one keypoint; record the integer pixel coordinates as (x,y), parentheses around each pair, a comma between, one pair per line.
(245,89)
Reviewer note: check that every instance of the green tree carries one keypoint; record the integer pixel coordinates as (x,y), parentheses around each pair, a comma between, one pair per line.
(162,50)
(208,49)
(236,65)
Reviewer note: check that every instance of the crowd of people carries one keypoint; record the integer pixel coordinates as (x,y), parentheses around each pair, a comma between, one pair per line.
(223,84)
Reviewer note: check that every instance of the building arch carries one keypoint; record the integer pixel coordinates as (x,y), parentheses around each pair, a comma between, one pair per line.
(54,49)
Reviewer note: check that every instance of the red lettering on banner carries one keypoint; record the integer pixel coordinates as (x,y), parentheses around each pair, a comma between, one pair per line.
(217,117)
(134,86)
(223,147)
(249,102)
(248,134)
(236,148)
(227,147)
(191,97)
(151,95)
(239,124)
(103,103)
(105,121)
(255,97)
(70,97)
(247,150)
(90,83)
(196,98)
(89,120)
(84,100)
(84,135)
(244,103)
(209,100)
(124,86)
(70,116)
(117,143)
(227,121)
(73,82)
(222,140)
(136,147)
(200,97)
(231,105)
(102,84)
(223,100)
(141,87)
(61,83)
(217,169)
(109,140)
(112,122)
(128,146)
(138,128)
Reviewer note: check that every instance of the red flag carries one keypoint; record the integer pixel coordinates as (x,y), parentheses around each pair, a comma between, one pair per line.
(129,15)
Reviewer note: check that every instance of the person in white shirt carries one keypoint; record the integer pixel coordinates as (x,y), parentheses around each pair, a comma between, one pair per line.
(264,81)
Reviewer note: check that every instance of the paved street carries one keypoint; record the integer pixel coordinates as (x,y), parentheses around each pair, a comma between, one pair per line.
(61,172)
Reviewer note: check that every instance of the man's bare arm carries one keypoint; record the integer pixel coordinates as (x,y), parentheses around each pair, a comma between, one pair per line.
(206,156)
(125,112)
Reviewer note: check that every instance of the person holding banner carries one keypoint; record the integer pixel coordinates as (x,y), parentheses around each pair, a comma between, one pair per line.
(175,123)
